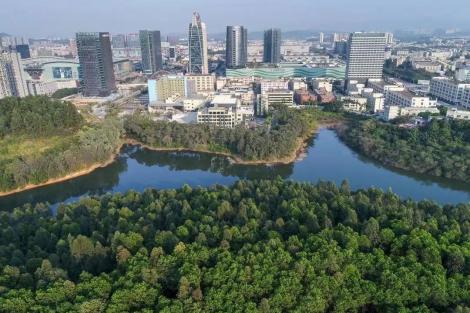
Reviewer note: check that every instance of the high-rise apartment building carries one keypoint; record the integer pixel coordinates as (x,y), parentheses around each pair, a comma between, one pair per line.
(321,38)
(366,54)
(96,64)
(151,47)
(12,75)
(197,44)
(236,47)
(272,46)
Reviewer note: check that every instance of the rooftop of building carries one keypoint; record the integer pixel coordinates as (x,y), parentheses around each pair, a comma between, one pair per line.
(406,93)
(224,99)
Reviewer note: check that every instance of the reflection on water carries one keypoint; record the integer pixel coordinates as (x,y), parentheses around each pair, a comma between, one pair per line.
(327,159)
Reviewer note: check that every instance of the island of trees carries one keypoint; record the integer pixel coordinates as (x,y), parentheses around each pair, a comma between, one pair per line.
(258,246)
(441,148)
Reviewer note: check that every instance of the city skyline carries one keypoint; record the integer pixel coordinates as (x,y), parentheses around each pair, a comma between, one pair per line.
(144,14)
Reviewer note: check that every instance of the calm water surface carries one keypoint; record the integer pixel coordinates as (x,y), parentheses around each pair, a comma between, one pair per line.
(327,159)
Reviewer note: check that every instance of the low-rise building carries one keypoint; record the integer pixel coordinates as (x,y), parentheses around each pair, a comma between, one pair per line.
(276,97)
(354,104)
(463,74)
(303,96)
(406,98)
(297,84)
(325,96)
(37,88)
(391,112)
(458,114)
(225,111)
(465,101)
(376,102)
(270,85)
(448,90)
(394,111)
(202,83)
(428,66)
(322,84)
(218,116)
(194,103)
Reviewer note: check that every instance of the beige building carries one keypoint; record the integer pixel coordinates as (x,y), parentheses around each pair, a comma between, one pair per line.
(458,114)
(168,87)
(267,99)
(202,83)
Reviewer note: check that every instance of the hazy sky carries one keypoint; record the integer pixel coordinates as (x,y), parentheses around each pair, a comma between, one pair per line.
(65,17)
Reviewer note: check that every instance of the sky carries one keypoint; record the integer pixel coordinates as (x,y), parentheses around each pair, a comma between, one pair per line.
(41,18)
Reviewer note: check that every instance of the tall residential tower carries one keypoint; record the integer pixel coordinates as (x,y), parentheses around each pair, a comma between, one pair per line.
(197,44)
(272,46)
(96,64)
(237,47)
(12,75)
(366,55)
(151,47)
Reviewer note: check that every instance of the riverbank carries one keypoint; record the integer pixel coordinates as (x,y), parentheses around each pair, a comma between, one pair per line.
(441,150)
(300,149)
(73,175)
(297,154)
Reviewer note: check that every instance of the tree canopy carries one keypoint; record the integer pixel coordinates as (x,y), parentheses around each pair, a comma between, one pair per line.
(37,116)
(441,148)
(258,246)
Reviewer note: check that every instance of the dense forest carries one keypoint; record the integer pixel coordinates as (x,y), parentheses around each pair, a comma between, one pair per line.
(277,139)
(43,139)
(441,148)
(37,116)
(258,246)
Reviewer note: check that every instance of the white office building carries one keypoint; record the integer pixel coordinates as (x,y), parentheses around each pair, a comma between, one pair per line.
(406,98)
(448,90)
(366,54)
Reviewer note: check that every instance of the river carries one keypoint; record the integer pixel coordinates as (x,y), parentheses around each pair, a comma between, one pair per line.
(327,159)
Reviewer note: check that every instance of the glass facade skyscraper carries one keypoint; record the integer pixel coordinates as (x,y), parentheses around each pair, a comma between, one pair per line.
(272,46)
(151,47)
(197,44)
(236,47)
(96,64)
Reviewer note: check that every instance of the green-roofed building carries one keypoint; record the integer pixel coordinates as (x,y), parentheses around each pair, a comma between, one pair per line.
(288,72)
